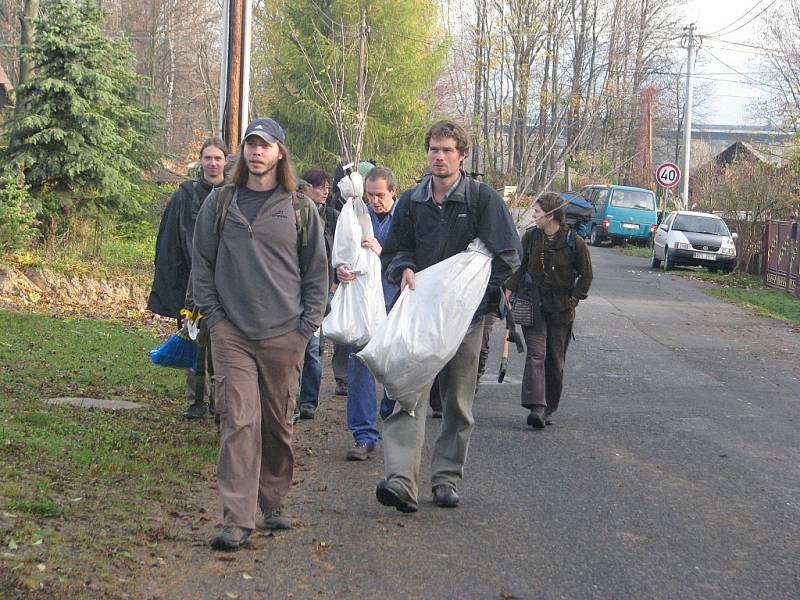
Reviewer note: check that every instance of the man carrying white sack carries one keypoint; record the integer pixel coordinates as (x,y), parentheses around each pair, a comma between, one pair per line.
(433,221)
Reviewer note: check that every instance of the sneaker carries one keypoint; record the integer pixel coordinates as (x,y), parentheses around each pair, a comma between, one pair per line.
(436,414)
(391,494)
(360,451)
(295,415)
(445,496)
(196,411)
(536,417)
(341,388)
(273,520)
(230,538)
(307,411)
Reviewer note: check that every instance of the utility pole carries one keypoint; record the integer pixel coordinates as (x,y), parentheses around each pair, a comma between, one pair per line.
(687,120)
(361,84)
(235,71)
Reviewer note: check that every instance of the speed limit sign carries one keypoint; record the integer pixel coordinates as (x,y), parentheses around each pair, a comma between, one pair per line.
(668,174)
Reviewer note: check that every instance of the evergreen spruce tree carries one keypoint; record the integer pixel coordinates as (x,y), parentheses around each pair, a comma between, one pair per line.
(80,139)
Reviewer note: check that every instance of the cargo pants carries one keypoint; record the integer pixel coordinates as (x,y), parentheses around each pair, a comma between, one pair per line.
(255,383)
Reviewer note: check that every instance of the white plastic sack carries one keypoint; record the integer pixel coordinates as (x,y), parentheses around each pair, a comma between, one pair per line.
(357,308)
(426,325)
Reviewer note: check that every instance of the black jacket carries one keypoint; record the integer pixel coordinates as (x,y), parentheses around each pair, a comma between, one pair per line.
(173,260)
(423,234)
(329,216)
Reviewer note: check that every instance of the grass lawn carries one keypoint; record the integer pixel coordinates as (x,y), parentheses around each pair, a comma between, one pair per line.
(81,490)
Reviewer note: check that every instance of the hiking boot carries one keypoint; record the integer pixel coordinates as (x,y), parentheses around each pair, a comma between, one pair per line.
(196,411)
(307,411)
(536,417)
(230,538)
(341,388)
(272,519)
(548,417)
(445,496)
(360,451)
(391,494)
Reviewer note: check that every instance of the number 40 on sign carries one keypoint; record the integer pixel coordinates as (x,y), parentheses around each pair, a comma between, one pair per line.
(668,174)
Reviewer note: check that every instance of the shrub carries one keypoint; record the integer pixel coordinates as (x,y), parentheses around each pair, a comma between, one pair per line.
(17,219)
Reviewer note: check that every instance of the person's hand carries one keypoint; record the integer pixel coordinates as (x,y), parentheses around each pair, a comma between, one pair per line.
(372,243)
(407,279)
(509,293)
(344,274)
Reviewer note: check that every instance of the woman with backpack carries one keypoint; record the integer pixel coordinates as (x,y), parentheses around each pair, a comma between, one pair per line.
(555,274)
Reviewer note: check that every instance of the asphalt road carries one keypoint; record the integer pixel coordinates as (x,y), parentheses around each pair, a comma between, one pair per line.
(672,471)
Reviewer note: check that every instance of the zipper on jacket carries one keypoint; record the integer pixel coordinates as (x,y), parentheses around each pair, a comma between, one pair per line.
(250,230)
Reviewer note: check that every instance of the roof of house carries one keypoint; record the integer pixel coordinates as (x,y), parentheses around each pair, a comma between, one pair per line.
(4,80)
(740,150)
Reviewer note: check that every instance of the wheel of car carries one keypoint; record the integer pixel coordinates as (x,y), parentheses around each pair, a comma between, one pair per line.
(668,262)
(654,262)
(594,237)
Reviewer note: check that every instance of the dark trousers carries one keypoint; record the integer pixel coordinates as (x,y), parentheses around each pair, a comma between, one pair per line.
(546,349)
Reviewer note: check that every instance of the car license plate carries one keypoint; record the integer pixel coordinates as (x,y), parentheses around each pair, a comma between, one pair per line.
(630,226)
(705,256)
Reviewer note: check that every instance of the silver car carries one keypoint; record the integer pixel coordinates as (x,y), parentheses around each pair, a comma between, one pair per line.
(694,239)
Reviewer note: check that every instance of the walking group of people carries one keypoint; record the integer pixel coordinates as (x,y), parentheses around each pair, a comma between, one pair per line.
(254,255)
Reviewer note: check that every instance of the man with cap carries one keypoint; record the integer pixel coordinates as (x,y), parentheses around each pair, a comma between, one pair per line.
(260,279)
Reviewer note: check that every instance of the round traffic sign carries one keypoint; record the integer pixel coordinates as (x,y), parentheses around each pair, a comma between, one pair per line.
(668,174)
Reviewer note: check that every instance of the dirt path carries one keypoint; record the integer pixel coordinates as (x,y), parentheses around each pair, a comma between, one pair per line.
(185,567)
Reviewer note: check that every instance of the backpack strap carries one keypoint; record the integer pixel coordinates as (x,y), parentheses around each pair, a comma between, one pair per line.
(224,199)
(472,193)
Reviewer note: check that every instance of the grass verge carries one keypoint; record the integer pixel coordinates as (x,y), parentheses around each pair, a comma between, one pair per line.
(82,492)
(123,258)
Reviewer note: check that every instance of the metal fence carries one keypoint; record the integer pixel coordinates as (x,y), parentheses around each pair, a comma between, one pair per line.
(782,261)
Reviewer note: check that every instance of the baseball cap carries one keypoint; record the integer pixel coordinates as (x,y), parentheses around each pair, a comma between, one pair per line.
(267,129)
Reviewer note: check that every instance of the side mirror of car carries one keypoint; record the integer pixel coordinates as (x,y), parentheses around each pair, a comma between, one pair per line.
(662,227)
(734,236)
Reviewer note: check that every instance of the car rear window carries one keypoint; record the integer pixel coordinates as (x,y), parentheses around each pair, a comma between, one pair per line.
(700,224)
(633,199)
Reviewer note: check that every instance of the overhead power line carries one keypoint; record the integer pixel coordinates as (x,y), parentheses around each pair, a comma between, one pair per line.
(732,23)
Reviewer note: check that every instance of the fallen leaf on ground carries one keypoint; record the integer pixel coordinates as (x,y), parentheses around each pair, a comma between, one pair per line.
(12,544)
(37,543)
(41,567)
(246,576)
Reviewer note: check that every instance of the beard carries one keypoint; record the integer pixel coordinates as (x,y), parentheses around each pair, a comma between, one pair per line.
(265,168)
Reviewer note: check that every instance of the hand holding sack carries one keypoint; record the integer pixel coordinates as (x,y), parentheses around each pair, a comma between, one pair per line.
(427,324)
(357,308)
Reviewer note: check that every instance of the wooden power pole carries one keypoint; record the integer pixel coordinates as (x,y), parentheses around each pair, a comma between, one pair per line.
(235,71)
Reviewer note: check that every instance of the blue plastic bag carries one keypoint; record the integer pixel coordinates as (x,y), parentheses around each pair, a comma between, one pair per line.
(176,351)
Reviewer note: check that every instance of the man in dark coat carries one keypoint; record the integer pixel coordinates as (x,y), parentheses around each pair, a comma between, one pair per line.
(433,221)
(173,260)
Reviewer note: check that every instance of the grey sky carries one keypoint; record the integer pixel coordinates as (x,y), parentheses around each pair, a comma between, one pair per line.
(730,69)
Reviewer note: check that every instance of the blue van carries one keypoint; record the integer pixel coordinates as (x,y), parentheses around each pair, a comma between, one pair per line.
(621,213)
